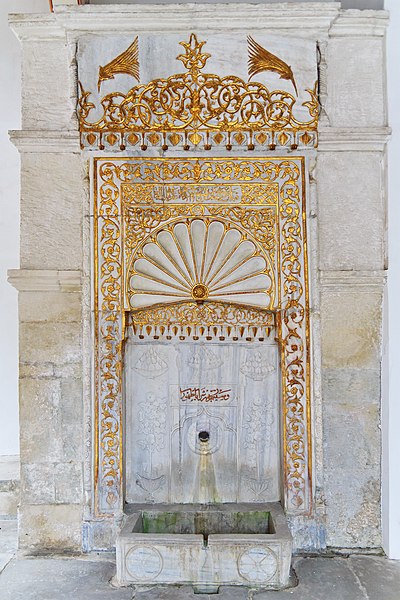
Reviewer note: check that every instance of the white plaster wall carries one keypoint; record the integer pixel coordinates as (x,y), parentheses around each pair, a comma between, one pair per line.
(10,91)
(391,391)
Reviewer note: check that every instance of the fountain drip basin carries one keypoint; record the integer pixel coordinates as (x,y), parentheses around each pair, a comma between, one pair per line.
(205,546)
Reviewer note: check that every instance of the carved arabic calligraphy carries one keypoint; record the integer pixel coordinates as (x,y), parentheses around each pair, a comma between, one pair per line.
(203,394)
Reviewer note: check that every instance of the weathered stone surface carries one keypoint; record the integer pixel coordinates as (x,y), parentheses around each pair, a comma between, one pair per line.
(40,421)
(9,501)
(352,475)
(46,483)
(351,215)
(320,579)
(50,527)
(351,387)
(57,307)
(355,99)
(379,577)
(8,536)
(38,483)
(358,578)
(57,343)
(99,535)
(9,487)
(47,83)
(68,483)
(51,211)
(351,329)
(52,579)
(8,542)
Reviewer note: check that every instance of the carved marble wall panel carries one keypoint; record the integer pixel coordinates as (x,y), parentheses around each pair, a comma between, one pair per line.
(202,421)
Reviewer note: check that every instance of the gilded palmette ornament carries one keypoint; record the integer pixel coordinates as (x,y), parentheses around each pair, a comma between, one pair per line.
(127,62)
(261,60)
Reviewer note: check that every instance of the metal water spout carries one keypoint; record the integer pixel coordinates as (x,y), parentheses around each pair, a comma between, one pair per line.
(206,482)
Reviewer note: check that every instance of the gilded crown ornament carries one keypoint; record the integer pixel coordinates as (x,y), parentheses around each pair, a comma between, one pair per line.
(197,109)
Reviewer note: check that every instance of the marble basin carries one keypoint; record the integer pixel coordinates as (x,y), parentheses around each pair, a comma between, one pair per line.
(206,547)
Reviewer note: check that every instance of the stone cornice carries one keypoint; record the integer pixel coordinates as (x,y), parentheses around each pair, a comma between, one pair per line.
(349,279)
(28,140)
(305,18)
(357,139)
(360,23)
(36,27)
(28,280)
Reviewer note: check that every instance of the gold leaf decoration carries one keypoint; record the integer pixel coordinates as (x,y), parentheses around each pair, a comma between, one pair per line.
(283,138)
(154,138)
(133,138)
(195,138)
(91,138)
(239,138)
(111,139)
(127,62)
(212,106)
(175,139)
(306,138)
(261,138)
(261,60)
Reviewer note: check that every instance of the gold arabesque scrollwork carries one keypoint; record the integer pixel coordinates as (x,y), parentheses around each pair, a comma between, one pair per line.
(194,109)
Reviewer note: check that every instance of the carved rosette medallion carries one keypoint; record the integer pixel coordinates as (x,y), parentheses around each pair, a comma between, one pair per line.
(144,563)
(257,564)
(154,260)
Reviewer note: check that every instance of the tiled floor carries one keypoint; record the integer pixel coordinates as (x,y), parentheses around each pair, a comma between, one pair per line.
(88,578)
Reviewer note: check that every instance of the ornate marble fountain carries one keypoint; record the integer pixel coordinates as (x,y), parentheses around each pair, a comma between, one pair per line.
(201,284)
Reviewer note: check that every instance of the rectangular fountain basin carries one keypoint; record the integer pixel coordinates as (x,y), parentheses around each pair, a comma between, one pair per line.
(205,547)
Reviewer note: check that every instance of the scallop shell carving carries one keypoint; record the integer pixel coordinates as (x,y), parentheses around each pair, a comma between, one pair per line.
(199,260)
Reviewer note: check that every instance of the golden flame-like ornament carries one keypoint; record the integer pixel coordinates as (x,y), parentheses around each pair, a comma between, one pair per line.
(261,60)
(127,62)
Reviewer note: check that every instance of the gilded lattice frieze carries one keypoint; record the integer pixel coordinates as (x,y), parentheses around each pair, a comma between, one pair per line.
(191,171)
(197,109)
(124,226)
(202,321)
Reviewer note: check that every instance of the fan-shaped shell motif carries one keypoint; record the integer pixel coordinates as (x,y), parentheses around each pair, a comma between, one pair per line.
(200,260)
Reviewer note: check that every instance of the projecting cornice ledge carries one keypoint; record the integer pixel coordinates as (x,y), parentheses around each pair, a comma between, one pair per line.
(29,140)
(357,139)
(353,279)
(35,280)
(305,18)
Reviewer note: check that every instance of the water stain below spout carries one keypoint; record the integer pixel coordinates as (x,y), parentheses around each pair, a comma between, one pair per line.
(206,491)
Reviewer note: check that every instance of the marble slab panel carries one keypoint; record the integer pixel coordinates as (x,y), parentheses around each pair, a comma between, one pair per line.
(202,422)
